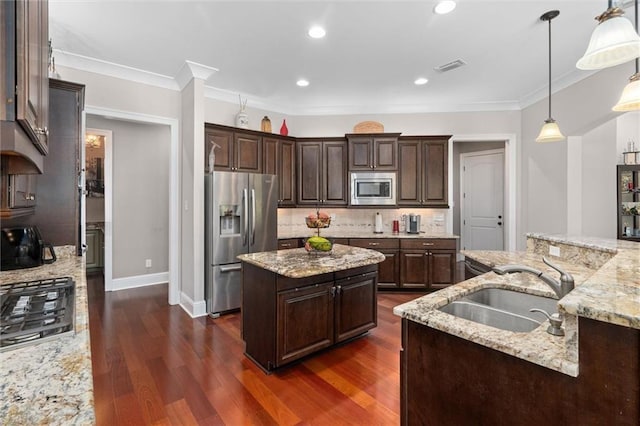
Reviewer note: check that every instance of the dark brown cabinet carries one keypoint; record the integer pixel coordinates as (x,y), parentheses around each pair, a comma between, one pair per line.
(422,177)
(427,263)
(322,172)
(289,243)
(285,319)
(373,152)
(628,202)
(389,269)
(235,151)
(279,158)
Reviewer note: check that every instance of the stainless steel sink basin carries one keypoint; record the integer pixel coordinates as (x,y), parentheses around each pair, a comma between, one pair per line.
(501,308)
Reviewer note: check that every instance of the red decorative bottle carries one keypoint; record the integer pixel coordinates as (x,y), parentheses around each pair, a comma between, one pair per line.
(284,131)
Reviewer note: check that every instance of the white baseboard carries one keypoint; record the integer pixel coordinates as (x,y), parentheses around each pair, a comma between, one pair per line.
(139,281)
(194,309)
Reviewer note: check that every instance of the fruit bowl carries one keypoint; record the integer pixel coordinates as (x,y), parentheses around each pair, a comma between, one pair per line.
(317,222)
(318,245)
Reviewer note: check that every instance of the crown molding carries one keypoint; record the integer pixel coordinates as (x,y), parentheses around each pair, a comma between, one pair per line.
(191,70)
(557,85)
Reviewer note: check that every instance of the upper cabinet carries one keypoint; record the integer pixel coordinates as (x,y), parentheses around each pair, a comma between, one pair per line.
(373,152)
(279,156)
(422,179)
(322,172)
(25,85)
(234,150)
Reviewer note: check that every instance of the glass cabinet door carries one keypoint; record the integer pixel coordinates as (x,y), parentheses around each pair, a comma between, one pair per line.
(629,202)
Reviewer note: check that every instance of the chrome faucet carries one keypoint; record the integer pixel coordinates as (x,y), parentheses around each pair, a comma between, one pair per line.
(561,287)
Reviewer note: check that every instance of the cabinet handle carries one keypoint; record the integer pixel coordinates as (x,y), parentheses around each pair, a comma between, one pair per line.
(41,131)
(285,245)
(333,292)
(374,244)
(428,244)
(339,289)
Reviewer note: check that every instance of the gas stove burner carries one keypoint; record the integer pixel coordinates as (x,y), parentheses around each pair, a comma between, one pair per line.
(34,310)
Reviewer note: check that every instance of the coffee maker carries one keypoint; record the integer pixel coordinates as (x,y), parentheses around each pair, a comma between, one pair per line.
(412,224)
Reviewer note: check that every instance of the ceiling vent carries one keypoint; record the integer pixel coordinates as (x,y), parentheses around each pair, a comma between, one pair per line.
(450,66)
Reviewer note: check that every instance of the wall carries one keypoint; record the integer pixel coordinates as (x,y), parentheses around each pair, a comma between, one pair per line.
(140,195)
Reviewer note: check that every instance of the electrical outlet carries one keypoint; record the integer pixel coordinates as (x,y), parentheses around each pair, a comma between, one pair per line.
(147,263)
(554,251)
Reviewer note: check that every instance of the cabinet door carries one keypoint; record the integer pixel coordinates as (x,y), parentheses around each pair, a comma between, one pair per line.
(270,156)
(92,249)
(247,153)
(309,176)
(356,306)
(389,269)
(305,321)
(434,183)
(414,269)
(223,148)
(32,77)
(385,153)
(361,153)
(442,266)
(287,173)
(334,174)
(22,191)
(410,173)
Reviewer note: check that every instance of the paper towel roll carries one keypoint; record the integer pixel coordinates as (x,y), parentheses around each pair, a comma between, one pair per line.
(378,224)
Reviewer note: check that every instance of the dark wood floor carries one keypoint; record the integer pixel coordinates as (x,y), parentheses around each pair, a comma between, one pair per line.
(153,364)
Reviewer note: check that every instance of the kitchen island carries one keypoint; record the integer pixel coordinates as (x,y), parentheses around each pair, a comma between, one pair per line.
(460,369)
(50,382)
(296,303)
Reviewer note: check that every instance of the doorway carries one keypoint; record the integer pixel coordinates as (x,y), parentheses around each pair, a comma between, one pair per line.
(482,200)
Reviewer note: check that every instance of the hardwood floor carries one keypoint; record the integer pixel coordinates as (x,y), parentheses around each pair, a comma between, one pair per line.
(153,364)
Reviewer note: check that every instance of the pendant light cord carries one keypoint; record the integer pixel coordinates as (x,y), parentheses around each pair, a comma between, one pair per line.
(550,68)
(636,17)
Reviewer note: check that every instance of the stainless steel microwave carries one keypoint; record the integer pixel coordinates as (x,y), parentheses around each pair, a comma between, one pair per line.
(373,188)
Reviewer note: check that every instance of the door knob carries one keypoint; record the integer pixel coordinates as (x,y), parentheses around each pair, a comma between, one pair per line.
(499,217)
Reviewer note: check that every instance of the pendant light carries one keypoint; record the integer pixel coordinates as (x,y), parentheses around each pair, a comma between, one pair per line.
(630,98)
(613,42)
(550,132)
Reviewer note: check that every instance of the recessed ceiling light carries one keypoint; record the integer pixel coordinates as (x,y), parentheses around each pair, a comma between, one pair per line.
(302,82)
(445,6)
(420,81)
(317,32)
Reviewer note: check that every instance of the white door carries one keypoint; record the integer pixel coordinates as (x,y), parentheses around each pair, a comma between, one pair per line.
(482,195)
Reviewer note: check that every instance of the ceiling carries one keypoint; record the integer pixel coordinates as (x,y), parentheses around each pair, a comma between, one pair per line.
(367,63)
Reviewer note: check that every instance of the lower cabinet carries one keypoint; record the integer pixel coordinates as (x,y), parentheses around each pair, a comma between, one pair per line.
(427,263)
(389,269)
(285,319)
(95,249)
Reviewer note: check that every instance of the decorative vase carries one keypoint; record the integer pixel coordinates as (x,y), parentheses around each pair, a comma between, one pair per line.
(284,131)
(265,126)
(242,120)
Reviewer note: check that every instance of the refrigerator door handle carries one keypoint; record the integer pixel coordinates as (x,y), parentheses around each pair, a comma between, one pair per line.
(245,231)
(231,268)
(253,216)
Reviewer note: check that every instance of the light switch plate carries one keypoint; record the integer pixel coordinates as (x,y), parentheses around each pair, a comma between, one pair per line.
(554,251)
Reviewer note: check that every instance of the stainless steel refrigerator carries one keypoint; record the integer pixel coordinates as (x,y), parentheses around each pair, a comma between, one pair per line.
(241,214)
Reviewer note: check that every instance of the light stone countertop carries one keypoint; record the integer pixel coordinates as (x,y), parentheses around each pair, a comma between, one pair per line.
(297,263)
(354,232)
(50,382)
(608,292)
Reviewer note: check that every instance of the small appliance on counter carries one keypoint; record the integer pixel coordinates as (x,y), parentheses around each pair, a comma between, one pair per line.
(412,223)
(22,247)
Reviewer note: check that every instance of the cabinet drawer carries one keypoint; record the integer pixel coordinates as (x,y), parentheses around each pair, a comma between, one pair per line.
(289,243)
(429,244)
(375,243)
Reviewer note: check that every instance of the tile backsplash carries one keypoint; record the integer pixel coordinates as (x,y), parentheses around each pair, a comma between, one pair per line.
(433,221)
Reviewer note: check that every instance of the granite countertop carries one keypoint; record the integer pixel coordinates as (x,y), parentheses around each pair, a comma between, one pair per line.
(297,263)
(609,293)
(353,232)
(51,382)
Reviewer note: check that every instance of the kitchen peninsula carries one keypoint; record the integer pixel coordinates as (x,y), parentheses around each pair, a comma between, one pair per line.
(460,369)
(295,303)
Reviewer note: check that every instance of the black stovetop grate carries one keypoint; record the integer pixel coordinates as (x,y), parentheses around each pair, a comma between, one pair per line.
(34,310)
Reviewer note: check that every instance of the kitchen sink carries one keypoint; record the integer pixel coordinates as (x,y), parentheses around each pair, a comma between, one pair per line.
(501,308)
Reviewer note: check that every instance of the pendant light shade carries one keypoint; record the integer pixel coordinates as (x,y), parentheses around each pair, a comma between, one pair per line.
(550,132)
(613,42)
(630,98)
